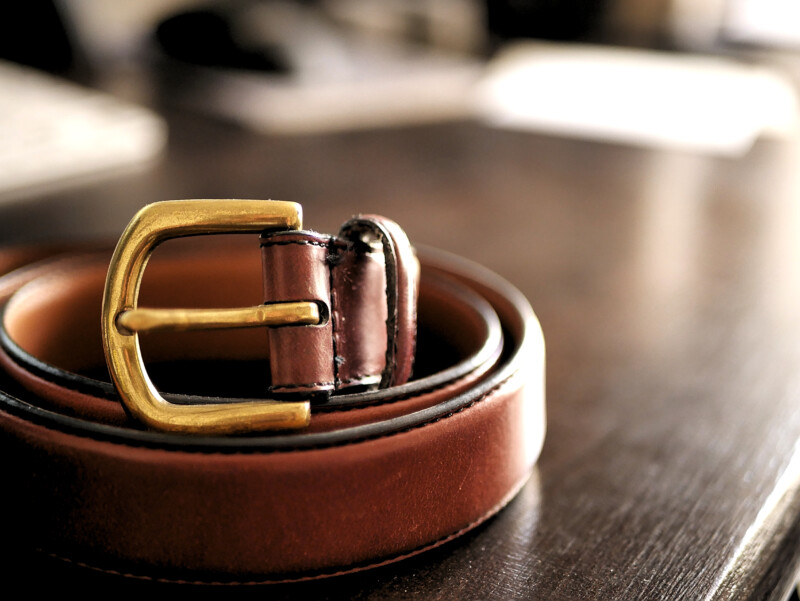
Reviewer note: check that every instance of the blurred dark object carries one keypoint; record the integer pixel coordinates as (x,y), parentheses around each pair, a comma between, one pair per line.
(207,38)
(34,33)
(545,19)
(292,67)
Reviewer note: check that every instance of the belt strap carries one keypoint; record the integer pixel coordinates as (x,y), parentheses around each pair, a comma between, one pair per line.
(379,474)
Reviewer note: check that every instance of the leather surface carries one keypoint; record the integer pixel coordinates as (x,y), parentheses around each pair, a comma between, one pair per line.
(367,278)
(379,475)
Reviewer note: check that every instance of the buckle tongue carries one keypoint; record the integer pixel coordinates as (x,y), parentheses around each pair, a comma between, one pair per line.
(122,320)
(278,314)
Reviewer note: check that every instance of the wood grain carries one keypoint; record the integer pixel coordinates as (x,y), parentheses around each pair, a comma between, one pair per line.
(668,289)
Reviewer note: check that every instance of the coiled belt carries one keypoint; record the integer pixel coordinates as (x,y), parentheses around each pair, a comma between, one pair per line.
(385,466)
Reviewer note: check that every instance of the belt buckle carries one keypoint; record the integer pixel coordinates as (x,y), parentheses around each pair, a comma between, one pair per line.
(123,320)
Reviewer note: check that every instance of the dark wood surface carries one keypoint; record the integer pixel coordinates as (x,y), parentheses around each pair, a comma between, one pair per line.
(668,289)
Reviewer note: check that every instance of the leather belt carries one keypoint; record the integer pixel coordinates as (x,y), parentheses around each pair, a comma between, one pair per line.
(388,465)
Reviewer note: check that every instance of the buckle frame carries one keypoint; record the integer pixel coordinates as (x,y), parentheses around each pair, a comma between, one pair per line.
(122,319)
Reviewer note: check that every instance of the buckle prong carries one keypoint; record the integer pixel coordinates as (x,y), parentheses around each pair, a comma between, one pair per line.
(123,320)
(279,314)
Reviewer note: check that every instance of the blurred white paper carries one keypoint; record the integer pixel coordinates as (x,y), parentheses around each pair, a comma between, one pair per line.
(55,134)
(647,98)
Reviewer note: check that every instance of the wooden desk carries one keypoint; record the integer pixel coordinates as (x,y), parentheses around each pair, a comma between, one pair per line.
(668,287)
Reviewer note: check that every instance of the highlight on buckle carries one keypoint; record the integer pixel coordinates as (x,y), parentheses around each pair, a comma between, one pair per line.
(123,320)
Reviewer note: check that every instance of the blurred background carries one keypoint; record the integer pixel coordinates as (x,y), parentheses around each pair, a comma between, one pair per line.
(703,76)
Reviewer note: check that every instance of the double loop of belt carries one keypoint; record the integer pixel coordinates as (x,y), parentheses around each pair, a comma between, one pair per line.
(394,401)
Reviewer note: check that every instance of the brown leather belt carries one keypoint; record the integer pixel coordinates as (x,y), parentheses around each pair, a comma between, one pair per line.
(388,465)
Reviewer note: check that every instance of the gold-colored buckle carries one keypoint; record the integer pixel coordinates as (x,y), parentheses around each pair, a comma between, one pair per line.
(123,320)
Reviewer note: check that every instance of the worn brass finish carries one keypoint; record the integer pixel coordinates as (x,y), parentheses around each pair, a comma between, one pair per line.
(282,314)
(150,226)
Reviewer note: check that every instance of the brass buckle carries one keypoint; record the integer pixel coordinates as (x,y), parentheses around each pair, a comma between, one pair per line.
(123,320)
